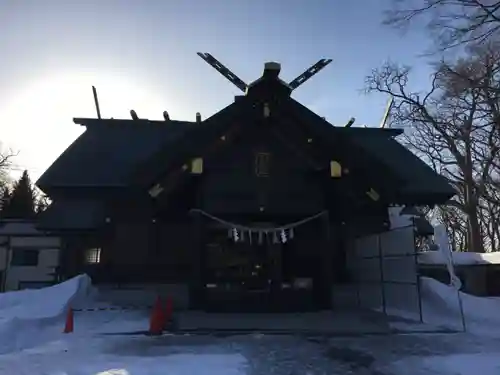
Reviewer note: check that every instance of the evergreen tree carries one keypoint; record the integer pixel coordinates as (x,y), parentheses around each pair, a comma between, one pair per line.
(22,200)
(4,201)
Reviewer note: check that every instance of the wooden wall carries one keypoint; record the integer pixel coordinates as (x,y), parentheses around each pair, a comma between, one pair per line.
(232,186)
(150,243)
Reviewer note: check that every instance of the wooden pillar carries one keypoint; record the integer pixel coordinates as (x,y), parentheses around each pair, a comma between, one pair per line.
(154,233)
(106,241)
(78,255)
(276,274)
(64,256)
(197,279)
(78,261)
(327,263)
(341,248)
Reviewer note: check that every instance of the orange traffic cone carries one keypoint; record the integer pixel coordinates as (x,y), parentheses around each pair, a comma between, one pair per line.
(157,320)
(69,326)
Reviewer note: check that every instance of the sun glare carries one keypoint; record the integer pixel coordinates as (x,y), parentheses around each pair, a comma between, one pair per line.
(37,120)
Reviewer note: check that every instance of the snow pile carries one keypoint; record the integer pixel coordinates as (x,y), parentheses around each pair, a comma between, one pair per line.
(44,302)
(26,311)
(459,258)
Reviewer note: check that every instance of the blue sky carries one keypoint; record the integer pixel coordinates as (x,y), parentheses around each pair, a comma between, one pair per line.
(142,55)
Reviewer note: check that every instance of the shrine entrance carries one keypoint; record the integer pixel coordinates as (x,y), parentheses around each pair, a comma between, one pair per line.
(257,268)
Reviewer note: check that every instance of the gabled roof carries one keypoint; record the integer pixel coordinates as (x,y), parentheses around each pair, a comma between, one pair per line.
(108,150)
(416,182)
(19,227)
(138,153)
(193,143)
(422,183)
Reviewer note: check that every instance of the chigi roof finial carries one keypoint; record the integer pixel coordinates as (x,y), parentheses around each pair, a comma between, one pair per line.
(96,101)
(271,70)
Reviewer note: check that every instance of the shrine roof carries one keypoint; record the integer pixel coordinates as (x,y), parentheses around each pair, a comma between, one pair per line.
(108,150)
(121,153)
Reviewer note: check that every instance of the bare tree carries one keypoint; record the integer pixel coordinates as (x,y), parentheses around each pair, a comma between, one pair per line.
(6,163)
(490,215)
(452,23)
(456,226)
(454,127)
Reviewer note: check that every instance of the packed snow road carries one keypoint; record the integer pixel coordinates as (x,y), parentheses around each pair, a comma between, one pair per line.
(431,354)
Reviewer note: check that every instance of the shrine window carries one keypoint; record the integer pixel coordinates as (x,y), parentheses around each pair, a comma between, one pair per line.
(93,256)
(262,164)
(24,257)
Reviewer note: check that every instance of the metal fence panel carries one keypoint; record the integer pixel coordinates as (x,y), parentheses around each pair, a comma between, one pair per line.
(384,267)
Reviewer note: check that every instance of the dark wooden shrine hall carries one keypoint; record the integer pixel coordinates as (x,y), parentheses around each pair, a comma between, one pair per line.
(256,203)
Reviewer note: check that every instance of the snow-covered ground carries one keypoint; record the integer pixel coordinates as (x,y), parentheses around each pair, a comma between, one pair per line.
(32,342)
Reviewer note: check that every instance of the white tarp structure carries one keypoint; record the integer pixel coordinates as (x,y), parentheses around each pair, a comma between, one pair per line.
(384,267)
(443,242)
